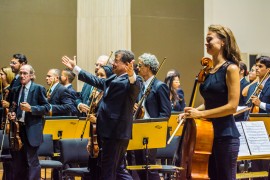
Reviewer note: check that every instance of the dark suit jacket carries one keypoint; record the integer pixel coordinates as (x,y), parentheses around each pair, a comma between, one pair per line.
(33,120)
(61,102)
(243,84)
(84,96)
(264,96)
(157,103)
(114,116)
(74,96)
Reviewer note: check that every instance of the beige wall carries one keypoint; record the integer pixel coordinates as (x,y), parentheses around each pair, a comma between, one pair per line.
(248,19)
(172,29)
(42,30)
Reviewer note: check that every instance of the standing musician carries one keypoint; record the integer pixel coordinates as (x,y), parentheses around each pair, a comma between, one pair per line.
(60,98)
(25,162)
(104,72)
(82,102)
(6,77)
(114,116)
(17,61)
(156,105)
(220,91)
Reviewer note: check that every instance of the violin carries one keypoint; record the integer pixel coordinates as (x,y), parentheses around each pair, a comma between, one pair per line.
(139,112)
(15,141)
(256,92)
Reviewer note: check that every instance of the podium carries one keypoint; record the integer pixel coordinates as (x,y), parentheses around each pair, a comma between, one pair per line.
(62,127)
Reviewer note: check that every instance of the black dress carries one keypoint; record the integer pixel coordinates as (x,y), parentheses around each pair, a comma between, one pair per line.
(222,162)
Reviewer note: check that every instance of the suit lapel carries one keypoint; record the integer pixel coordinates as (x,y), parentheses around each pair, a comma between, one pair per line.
(266,87)
(54,91)
(30,92)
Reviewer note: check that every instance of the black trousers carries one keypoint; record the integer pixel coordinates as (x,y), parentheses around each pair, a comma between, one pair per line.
(223,160)
(112,159)
(25,163)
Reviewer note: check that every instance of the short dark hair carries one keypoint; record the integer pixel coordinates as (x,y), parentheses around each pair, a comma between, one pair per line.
(22,58)
(264,60)
(127,56)
(70,75)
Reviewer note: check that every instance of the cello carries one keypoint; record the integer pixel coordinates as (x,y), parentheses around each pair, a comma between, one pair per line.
(196,142)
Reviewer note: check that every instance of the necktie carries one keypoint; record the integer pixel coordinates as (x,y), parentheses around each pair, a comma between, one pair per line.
(19,111)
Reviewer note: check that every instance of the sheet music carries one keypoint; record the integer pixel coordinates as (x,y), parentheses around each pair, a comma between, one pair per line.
(243,150)
(257,137)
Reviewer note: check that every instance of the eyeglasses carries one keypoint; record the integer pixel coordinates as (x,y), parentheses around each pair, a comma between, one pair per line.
(140,65)
(13,62)
(98,64)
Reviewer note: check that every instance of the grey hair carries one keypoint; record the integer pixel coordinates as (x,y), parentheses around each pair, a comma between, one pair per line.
(151,61)
(56,72)
(31,71)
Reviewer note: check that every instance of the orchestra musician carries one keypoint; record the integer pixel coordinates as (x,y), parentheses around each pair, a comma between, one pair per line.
(34,104)
(114,116)
(176,93)
(82,102)
(262,101)
(243,83)
(60,98)
(17,61)
(6,77)
(156,105)
(103,72)
(220,91)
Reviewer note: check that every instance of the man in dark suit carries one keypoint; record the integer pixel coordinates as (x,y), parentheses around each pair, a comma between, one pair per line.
(114,116)
(67,77)
(262,101)
(60,98)
(17,61)
(156,105)
(83,101)
(31,106)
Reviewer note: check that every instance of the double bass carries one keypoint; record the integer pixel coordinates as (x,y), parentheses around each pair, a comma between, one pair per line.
(197,138)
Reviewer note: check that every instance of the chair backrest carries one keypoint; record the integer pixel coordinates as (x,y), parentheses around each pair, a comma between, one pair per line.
(46,147)
(73,150)
(6,140)
(169,150)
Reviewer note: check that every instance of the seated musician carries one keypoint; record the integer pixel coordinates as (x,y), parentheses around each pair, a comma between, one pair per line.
(156,105)
(176,93)
(31,105)
(220,91)
(261,101)
(243,83)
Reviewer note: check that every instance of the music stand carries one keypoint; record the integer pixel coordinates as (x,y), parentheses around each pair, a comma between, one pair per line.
(173,123)
(60,126)
(148,134)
